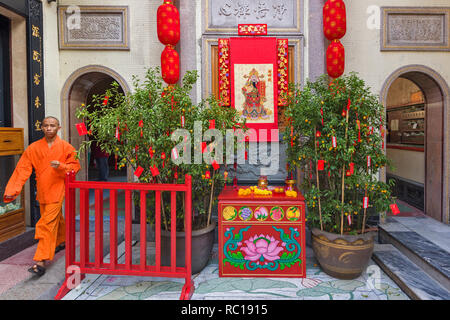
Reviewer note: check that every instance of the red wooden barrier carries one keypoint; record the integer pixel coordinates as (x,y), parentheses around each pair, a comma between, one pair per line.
(113,267)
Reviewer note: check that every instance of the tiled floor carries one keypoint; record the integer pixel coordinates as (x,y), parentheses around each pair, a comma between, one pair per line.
(371,285)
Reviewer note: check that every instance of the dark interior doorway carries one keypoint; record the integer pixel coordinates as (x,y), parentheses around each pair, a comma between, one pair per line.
(101,165)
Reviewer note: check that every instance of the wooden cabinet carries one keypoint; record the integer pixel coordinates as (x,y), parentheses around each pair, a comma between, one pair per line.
(12,215)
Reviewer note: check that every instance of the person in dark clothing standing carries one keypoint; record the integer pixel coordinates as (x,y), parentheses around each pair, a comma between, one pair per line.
(101,160)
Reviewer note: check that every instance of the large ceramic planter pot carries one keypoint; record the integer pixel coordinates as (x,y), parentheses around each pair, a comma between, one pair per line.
(202,244)
(342,256)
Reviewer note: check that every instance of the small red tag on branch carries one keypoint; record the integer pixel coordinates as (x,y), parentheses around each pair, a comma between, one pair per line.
(154,170)
(366,202)
(138,171)
(320,165)
(81,128)
(215,165)
(394,208)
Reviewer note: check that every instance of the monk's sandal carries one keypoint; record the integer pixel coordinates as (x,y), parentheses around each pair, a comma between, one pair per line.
(37,270)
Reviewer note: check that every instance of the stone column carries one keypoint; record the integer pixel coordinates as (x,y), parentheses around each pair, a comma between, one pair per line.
(317,42)
(187,47)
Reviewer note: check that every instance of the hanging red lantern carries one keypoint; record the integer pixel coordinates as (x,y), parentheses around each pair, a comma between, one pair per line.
(335,59)
(170,65)
(168,24)
(334,19)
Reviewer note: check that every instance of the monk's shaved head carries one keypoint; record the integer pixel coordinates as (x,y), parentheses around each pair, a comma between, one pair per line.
(51,117)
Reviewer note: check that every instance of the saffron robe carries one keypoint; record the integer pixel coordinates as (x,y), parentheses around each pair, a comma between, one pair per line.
(50,181)
(50,229)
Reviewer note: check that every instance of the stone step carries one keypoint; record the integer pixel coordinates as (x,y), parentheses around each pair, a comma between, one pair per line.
(429,256)
(414,281)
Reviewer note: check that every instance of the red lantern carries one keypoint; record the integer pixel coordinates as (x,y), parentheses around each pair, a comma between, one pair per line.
(334,19)
(335,59)
(170,65)
(168,24)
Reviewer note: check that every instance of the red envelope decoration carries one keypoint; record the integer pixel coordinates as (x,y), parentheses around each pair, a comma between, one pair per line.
(105,101)
(154,170)
(175,154)
(320,165)
(203,146)
(81,128)
(394,208)
(207,175)
(366,202)
(215,165)
(138,171)
(352,167)
(212,124)
(151,152)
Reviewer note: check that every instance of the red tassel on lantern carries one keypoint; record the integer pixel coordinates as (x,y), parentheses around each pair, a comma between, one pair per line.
(170,65)
(334,19)
(335,59)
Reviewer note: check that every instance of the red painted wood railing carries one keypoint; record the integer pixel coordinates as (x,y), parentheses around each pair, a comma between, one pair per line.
(84,266)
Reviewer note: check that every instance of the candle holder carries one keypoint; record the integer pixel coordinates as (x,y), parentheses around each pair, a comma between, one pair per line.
(262,182)
(290,184)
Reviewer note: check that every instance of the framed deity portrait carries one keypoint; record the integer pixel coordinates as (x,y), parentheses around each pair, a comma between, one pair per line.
(253,79)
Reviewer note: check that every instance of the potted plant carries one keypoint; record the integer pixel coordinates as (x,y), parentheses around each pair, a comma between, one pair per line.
(137,130)
(337,137)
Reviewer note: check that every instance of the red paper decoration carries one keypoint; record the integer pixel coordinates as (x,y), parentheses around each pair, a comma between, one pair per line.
(215,165)
(320,165)
(168,24)
(207,175)
(138,171)
(334,19)
(81,128)
(365,202)
(394,208)
(212,124)
(154,170)
(335,59)
(170,65)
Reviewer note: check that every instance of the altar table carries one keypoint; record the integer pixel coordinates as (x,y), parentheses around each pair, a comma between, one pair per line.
(261,236)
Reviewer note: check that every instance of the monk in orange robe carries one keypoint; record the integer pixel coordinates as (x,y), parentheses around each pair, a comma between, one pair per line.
(51,157)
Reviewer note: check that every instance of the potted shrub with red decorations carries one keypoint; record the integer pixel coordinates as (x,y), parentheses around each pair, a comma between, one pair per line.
(337,139)
(138,129)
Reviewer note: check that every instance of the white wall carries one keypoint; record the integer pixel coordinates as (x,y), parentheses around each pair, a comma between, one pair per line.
(145,48)
(362,45)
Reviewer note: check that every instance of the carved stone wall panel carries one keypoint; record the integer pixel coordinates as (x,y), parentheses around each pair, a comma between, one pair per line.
(281,16)
(94,27)
(415,29)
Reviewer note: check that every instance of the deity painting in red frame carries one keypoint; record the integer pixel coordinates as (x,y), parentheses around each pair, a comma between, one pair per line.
(254,83)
